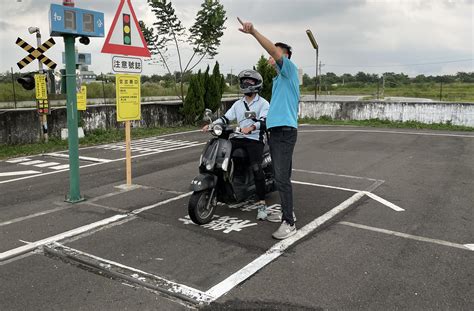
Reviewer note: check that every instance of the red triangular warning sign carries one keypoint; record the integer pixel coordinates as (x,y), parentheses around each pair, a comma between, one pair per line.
(125,36)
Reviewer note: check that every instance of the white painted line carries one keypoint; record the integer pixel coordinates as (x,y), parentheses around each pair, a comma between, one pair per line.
(407,236)
(47,164)
(337,175)
(66,156)
(34,215)
(324,186)
(390,132)
(470,246)
(277,250)
(170,285)
(18,173)
(384,202)
(145,208)
(29,247)
(32,162)
(60,167)
(94,164)
(17,160)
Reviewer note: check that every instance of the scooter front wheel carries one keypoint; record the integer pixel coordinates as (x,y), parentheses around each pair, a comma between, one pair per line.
(202,206)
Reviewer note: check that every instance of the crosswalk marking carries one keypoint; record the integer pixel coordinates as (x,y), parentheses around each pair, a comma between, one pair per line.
(60,167)
(151,145)
(47,164)
(32,162)
(17,160)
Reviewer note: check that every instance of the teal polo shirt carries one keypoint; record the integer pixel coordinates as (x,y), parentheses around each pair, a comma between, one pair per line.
(285,96)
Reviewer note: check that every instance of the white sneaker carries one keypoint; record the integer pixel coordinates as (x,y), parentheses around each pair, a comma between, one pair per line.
(277,217)
(285,231)
(262,212)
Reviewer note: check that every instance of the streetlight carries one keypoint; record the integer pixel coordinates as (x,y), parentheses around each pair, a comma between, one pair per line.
(316,48)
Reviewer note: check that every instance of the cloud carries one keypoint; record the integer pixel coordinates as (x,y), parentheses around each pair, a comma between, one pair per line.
(354,35)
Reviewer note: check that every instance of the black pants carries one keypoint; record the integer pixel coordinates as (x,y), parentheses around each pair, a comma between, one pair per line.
(282,143)
(254,150)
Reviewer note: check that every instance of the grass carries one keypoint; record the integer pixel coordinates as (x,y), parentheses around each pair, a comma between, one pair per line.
(325,120)
(93,138)
(454,92)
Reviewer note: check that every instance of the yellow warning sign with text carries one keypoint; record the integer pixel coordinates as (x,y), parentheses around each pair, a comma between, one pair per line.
(40,87)
(82,98)
(128,97)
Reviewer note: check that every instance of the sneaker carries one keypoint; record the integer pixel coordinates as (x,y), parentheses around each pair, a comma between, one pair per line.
(277,217)
(262,212)
(284,231)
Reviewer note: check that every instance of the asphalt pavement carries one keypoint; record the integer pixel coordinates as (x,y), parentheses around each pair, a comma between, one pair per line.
(384,217)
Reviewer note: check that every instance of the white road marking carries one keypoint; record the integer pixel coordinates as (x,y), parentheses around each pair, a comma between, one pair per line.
(390,132)
(367,193)
(408,236)
(17,160)
(47,164)
(32,162)
(277,250)
(27,248)
(170,285)
(384,202)
(60,167)
(18,173)
(337,175)
(34,215)
(66,156)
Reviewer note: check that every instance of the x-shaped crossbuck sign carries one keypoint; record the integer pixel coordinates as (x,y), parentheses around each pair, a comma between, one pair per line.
(36,53)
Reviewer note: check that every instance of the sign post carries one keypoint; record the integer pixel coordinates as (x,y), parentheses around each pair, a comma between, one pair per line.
(70,22)
(128,109)
(126,38)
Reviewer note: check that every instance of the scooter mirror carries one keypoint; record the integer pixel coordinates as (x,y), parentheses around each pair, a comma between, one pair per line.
(250,115)
(208,114)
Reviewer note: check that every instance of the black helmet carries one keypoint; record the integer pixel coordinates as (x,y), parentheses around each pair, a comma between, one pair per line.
(250,81)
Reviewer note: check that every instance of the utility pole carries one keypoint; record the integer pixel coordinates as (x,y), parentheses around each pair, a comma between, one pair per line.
(320,76)
(441,91)
(315,45)
(231,77)
(13,85)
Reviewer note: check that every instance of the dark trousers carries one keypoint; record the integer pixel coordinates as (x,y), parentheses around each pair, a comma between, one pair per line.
(282,143)
(254,150)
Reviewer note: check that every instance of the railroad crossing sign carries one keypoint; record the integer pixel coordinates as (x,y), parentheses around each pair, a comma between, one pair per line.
(36,53)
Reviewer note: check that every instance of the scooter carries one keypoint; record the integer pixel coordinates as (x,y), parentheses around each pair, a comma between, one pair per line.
(225,175)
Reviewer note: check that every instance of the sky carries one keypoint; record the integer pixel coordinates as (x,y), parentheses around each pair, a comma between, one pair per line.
(430,37)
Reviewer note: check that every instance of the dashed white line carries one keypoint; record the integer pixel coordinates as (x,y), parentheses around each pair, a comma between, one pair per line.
(17,160)
(32,162)
(47,164)
(60,167)
(7,174)
(390,132)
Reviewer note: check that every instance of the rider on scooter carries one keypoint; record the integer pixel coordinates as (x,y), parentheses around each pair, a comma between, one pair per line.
(253,131)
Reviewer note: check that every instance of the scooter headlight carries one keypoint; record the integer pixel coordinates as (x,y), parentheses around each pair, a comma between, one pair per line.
(217,130)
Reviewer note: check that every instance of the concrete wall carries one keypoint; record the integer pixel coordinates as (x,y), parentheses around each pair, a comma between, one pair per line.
(21,126)
(426,112)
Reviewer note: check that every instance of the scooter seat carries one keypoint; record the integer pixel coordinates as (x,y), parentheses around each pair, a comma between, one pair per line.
(239,153)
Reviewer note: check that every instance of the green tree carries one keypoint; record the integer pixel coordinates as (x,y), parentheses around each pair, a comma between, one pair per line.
(268,73)
(193,107)
(168,32)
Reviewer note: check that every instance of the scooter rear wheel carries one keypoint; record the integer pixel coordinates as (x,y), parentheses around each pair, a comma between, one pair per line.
(201,207)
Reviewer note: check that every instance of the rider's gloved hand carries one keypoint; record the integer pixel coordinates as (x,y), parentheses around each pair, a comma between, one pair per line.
(205,128)
(247,130)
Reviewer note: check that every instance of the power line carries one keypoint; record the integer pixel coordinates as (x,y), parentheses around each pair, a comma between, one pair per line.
(399,65)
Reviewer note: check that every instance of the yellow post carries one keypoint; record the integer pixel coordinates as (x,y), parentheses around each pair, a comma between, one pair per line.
(128,153)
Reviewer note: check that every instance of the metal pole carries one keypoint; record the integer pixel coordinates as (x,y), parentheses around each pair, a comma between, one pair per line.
(319,76)
(13,85)
(441,91)
(43,117)
(73,141)
(316,77)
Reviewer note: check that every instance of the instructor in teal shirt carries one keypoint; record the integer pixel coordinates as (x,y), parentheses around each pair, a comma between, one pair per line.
(282,123)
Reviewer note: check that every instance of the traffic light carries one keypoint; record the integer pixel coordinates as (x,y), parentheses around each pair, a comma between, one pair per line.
(127,36)
(27,82)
